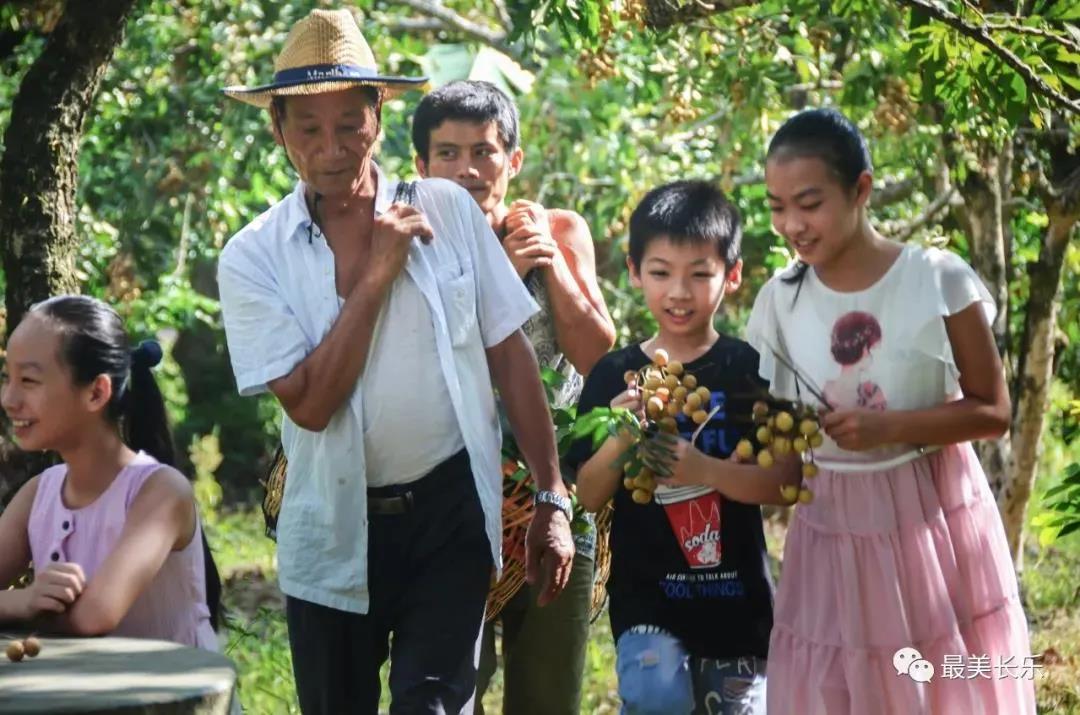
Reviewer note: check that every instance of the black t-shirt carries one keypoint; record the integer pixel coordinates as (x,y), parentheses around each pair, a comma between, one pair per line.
(673,565)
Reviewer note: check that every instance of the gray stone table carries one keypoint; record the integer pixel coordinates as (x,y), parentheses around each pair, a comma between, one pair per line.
(115,675)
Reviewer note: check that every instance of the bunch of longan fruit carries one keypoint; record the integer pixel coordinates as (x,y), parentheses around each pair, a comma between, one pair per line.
(783,428)
(27,647)
(666,390)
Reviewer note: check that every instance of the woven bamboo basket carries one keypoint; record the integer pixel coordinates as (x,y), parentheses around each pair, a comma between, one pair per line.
(517,511)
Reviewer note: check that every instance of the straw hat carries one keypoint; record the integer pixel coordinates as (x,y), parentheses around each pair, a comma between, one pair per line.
(324,52)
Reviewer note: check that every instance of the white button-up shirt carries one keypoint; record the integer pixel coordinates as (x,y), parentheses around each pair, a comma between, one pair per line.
(279,301)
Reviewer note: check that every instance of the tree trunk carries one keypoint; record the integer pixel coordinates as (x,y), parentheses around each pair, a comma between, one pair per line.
(983,218)
(39,169)
(1035,371)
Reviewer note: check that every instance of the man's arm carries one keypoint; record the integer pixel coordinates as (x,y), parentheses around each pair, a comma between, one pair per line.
(582,324)
(516,376)
(317,388)
(549,547)
(321,383)
(584,329)
(312,388)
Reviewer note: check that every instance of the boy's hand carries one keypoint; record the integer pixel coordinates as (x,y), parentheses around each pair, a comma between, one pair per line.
(630,399)
(528,241)
(54,589)
(674,461)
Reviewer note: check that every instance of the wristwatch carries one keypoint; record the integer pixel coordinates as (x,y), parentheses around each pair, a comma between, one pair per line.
(557,500)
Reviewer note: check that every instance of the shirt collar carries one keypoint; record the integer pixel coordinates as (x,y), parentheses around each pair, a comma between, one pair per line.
(298,217)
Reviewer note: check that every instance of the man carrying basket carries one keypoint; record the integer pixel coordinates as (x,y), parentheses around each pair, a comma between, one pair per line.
(467,132)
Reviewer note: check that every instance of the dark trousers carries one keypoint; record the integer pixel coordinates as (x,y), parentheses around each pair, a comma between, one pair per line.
(429,568)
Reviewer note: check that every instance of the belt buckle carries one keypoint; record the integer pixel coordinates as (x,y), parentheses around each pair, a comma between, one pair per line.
(391,506)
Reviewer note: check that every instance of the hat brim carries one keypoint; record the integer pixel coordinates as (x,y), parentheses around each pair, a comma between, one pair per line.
(262,95)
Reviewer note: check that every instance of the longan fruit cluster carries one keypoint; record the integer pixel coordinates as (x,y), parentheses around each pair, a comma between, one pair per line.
(28,647)
(667,390)
(781,430)
(895,108)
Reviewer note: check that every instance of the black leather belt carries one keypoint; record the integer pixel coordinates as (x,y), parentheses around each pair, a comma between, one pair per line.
(399,499)
(386,506)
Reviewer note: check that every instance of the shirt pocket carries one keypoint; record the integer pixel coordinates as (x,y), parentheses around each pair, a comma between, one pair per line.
(457,291)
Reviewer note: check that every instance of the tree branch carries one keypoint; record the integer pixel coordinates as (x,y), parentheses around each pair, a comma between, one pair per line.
(504,16)
(904,232)
(415,24)
(1034,31)
(979,34)
(453,21)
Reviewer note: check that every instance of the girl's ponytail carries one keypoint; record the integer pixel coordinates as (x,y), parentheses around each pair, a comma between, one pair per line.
(144,421)
(145,426)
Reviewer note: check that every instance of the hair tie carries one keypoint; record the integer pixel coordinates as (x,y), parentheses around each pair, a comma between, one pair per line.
(146,355)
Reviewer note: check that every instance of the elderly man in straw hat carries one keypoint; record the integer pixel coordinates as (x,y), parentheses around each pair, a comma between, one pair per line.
(380,325)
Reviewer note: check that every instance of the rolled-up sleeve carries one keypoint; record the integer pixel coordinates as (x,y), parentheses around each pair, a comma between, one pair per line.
(503,304)
(264,337)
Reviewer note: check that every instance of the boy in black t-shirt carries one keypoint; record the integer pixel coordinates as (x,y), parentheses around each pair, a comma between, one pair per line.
(691,597)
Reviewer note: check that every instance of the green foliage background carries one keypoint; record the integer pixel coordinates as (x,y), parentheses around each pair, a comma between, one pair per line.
(170,168)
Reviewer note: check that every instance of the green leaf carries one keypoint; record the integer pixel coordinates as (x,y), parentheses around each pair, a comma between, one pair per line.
(1019,88)
(1059,489)
(1071,527)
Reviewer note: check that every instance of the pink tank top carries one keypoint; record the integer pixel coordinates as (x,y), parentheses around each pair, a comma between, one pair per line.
(173,607)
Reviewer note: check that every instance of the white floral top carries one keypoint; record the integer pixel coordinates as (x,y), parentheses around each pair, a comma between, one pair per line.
(884,347)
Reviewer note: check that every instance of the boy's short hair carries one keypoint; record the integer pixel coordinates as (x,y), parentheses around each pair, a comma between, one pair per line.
(686,212)
(465,100)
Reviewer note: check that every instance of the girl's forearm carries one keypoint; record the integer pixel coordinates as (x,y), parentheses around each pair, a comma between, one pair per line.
(13,606)
(748,483)
(951,423)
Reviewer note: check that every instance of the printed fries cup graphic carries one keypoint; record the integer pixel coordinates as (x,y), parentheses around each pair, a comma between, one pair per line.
(694,515)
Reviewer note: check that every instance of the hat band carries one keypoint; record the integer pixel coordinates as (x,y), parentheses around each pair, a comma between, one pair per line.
(318,73)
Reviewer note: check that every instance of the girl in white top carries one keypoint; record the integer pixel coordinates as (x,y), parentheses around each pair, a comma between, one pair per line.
(900,564)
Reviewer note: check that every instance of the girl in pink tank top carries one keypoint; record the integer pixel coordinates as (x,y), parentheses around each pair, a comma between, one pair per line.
(113,532)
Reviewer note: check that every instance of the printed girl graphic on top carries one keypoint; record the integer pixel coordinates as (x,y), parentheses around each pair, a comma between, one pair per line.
(854,336)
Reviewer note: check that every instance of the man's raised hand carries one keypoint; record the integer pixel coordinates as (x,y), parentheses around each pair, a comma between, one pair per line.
(391,236)
(528,240)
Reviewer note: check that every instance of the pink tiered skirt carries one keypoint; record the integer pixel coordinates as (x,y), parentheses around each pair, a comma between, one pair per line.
(912,556)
